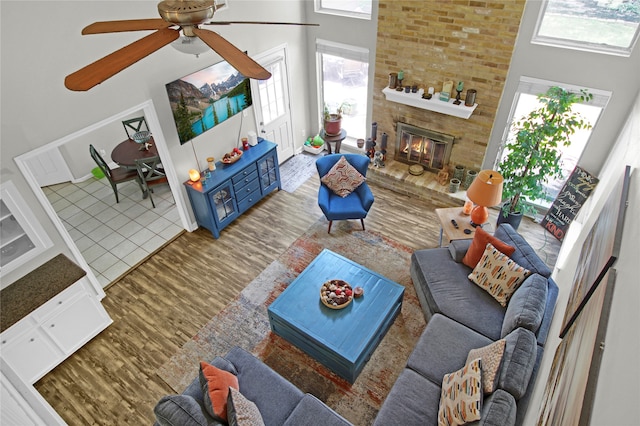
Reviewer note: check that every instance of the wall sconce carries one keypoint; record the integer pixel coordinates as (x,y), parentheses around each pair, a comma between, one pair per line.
(485,191)
(194,175)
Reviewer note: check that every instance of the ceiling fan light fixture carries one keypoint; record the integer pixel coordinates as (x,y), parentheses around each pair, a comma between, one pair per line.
(190,45)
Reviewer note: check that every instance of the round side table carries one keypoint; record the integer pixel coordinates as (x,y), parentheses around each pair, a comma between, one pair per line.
(337,139)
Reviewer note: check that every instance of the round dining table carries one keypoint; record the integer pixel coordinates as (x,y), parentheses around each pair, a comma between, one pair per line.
(127,152)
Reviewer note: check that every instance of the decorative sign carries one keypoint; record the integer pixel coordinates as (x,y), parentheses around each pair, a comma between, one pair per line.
(567,204)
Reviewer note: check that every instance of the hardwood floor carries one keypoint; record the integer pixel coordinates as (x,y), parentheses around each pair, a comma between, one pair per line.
(160,305)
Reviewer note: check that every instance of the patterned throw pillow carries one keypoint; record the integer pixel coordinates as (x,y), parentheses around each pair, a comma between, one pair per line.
(343,178)
(498,275)
(479,243)
(461,396)
(241,411)
(215,384)
(491,356)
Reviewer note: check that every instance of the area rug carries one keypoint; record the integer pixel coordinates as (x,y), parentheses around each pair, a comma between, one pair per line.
(297,169)
(244,323)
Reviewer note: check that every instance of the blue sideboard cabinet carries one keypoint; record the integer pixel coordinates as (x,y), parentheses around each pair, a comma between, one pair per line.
(233,188)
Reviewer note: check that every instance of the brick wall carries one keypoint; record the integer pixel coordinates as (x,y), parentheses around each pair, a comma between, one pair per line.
(434,41)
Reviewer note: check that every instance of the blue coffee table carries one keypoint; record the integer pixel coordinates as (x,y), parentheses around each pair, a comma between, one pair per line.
(341,339)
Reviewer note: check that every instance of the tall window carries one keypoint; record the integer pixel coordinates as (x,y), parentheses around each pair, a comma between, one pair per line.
(350,8)
(610,26)
(343,80)
(526,100)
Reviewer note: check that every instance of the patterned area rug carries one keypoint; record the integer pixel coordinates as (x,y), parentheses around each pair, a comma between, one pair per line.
(244,323)
(297,169)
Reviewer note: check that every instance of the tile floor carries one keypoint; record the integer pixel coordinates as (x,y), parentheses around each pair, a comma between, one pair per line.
(114,237)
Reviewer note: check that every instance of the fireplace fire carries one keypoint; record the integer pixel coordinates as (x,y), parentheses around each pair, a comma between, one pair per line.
(415,145)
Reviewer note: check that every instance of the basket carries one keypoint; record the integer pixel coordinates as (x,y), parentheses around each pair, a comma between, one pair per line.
(331,287)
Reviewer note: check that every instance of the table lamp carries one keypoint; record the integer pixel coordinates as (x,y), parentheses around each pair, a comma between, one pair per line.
(485,191)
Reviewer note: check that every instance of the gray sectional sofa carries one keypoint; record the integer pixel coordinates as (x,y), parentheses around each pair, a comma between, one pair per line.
(461,316)
(280,403)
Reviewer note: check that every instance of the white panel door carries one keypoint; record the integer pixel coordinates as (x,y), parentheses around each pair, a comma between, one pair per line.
(50,167)
(272,111)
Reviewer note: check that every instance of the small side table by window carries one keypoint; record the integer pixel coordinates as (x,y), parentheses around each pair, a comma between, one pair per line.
(337,139)
(449,231)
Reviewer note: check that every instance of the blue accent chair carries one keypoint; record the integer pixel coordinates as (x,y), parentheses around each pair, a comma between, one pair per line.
(355,205)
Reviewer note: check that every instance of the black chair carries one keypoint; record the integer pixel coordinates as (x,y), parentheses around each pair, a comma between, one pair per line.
(135,125)
(114,176)
(151,173)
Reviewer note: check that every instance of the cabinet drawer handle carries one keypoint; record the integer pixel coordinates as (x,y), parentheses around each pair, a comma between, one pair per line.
(60,302)
(4,341)
(53,325)
(32,339)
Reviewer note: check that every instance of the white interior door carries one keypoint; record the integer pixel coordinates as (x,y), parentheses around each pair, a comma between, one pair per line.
(49,168)
(272,105)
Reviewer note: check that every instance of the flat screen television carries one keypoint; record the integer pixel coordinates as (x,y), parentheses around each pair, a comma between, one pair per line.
(202,100)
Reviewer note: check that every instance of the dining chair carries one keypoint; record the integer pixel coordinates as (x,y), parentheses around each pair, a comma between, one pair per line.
(135,125)
(114,176)
(151,173)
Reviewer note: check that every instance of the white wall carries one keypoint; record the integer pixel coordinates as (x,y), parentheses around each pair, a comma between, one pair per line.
(41,44)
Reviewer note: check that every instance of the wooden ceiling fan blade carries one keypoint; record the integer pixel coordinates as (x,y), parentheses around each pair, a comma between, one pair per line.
(236,57)
(260,23)
(102,69)
(103,27)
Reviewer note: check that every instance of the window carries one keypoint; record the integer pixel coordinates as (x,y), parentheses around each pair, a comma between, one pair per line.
(343,81)
(526,100)
(350,8)
(610,26)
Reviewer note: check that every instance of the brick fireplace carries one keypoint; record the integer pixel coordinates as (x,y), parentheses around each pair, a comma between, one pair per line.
(416,145)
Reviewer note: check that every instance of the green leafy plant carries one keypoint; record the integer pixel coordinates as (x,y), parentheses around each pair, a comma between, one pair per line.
(533,151)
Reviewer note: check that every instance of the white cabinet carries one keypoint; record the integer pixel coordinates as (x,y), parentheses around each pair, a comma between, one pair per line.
(37,343)
(22,238)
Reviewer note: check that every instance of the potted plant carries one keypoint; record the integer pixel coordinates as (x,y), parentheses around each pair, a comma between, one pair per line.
(332,121)
(533,152)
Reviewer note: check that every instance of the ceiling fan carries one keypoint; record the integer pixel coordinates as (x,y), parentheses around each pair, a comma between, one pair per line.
(176,16)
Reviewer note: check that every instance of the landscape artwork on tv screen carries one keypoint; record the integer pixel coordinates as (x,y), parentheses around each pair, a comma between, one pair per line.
(204,99)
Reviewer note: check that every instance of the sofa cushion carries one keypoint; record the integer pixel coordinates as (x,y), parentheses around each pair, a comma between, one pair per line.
(275,396)
(491,356)
(215,385)
(310,409)
(241,411)
(527,305)
(443,286)
(412,401)
(524,255)
(498,274)
(179,410)
(478,245)
(443,347)
(343,178)
(499,409)
(518,362)
(461,395)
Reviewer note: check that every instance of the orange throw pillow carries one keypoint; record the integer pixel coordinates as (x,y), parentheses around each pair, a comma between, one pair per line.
(215,385)
(479,243)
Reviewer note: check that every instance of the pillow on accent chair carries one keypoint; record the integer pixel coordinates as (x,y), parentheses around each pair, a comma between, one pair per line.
(241,411)
(491,356)
(215,384)
(498,275)
(479,243)
(461,396)
(343,178)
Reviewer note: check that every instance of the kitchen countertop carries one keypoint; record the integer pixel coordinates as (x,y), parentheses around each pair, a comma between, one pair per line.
(37,287)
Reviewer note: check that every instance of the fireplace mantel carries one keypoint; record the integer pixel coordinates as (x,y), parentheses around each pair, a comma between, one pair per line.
(433,104)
